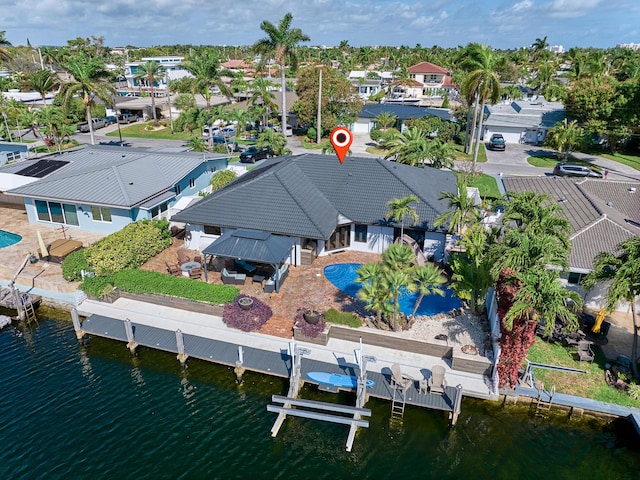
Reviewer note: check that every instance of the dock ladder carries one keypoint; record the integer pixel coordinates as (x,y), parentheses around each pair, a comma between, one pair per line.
(541,404)
(29,312)
(398,402)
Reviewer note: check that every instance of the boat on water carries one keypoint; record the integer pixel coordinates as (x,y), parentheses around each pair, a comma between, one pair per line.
(8,299)
(337,379)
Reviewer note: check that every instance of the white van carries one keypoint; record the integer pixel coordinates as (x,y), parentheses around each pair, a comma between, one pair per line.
(210,131)
(288,131)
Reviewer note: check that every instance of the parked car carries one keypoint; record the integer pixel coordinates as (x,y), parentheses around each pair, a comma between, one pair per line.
(206,131)
(253,154)
(497,142)
(96,122)
(127,118)
(288,131)
(110,120)
(573,170)
(229,131)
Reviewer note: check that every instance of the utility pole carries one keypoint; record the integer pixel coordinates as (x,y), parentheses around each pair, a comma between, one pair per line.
(319,121)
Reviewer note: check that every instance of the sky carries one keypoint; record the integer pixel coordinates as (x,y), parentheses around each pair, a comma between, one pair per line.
(445,23)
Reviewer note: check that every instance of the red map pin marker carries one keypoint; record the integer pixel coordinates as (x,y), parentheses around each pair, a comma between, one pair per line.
(341,139)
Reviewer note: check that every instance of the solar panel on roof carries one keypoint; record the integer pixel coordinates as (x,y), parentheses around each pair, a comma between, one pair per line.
(42,168)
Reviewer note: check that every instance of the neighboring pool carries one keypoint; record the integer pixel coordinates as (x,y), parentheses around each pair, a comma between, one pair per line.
(7,238)
(343,276)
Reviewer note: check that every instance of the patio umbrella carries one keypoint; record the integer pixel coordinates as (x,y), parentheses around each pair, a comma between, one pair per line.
(43,247)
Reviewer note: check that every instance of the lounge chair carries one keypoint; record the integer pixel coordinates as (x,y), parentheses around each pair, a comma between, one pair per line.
(183,257)
(246,266)
(584,351)
(399,380)
(437,382)
(232,278)
(195,273)
(173,269)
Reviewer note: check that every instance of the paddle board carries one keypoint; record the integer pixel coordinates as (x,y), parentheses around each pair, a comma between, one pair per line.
(337,379)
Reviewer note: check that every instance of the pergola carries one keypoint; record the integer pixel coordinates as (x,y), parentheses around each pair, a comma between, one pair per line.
(251,246)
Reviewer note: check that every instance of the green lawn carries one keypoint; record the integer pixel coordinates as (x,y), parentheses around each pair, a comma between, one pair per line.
(137,130)
(632,161)
(487,185)
(464,157)
(588,385)
(310,145)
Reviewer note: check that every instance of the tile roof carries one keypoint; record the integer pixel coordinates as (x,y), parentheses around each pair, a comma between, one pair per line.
(307,195)
(595,226)
(426,67)
(114,176)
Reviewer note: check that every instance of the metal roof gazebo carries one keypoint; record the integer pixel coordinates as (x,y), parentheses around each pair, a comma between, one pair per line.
(252,246)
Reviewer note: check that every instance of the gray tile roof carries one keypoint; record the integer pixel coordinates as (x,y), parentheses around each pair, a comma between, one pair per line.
(404,112)
(595,226)
(305,195)
(113,176)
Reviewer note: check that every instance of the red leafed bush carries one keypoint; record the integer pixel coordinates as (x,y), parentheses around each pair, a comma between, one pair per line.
(246,320)
(515,342)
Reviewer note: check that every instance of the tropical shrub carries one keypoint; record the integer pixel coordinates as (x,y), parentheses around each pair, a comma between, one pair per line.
(130,247)
(309,330)
(142,281)
(221,178)
(246,320)
(73,264)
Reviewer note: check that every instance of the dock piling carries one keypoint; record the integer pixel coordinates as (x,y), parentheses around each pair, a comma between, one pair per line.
(239,369)
(182,357)
(457,405)
(77,326)
(128,328)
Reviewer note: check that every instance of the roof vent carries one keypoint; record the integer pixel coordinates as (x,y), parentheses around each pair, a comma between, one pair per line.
(632,190)
(609,204)
(563,199)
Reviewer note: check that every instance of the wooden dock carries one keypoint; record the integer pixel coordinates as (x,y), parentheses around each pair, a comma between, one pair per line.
(285,363)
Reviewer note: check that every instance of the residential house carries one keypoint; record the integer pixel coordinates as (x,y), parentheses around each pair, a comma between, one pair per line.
(523,121)
(602,213)
(101,188)
(365,121)
(369,82)
(323,206)
(171,65)
(428,84)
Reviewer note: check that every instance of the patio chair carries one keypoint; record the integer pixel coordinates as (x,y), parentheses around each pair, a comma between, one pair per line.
(584,351)
(437,382)
(399,380)
(183,257)
(195,273)
(173,269)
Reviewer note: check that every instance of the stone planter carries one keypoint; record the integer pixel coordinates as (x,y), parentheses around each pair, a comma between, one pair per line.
(245,303)
(312,317)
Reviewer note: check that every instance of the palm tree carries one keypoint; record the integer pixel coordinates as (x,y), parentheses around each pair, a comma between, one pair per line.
(52,117)
(205,67)
(185,101)
(4,52)
(429,280)
(43,82)
(483,84)
(280,44)
(399,208)
(623,270)
(440,154)
(385,120)
(410,147)
(90,79)
(151,72)
(464,211)
(276,140)
(564,137)
(262,94)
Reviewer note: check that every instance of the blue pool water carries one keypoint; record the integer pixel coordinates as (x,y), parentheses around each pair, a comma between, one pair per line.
(343,276)
(7,238)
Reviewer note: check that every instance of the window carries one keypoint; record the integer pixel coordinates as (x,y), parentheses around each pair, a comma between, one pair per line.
(574,278)
(178,189)
(57,212)
(361,233)
(101,214)
(192,182)
(341,238)
(212,230)
(433,78)
(157,212)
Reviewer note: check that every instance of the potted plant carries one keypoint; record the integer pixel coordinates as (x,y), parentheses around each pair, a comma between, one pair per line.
(311,315)
(33,258)
(245,303)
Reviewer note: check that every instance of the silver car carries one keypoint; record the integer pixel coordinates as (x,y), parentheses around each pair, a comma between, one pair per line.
(572,170)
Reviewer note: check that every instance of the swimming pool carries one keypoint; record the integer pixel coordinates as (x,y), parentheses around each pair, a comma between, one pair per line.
(343,276)
(7,238)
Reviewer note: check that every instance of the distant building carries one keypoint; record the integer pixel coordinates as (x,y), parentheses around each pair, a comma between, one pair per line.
(428,84)
(557,49)
(369,82)
(630,46)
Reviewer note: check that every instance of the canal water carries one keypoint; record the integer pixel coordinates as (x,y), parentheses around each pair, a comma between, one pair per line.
(69,411)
